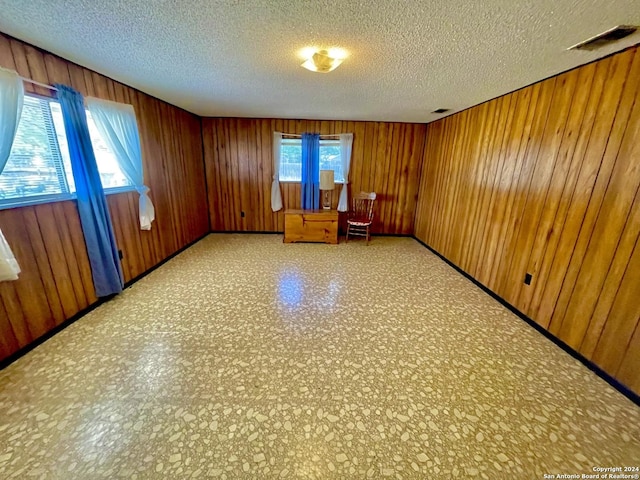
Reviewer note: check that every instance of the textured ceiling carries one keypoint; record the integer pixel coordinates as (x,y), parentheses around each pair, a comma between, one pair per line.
(240,57)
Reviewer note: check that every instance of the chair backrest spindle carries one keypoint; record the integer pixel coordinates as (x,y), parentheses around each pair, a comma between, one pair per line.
(362,206)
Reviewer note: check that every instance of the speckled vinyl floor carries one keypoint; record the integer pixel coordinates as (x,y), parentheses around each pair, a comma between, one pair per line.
(247,358)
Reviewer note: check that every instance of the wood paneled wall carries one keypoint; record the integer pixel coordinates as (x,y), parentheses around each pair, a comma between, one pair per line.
(546,181)
(386,158)
(47,240)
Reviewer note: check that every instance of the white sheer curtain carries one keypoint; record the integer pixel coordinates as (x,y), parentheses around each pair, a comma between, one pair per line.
(11,98)
(276,194)
(346,144)
(116,122)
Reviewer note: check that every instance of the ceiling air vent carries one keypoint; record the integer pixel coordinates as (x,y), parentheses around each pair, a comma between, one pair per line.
(441,110)
(605,38)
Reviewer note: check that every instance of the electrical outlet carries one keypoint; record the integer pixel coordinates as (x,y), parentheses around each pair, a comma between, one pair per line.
(527,279)
(242,214)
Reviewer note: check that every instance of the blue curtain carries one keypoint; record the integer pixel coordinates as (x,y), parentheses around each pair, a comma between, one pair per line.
(310,171)
(92,204)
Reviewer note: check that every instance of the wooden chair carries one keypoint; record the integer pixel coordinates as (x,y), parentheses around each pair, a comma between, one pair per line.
(360,217)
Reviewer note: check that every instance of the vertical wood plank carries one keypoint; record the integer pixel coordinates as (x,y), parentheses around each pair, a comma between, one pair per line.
(55,282)
(386,158)
(550,186)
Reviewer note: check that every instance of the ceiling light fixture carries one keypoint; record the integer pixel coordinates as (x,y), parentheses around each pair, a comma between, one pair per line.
(323,61)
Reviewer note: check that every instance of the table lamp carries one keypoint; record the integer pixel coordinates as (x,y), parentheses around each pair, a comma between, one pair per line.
(327,184)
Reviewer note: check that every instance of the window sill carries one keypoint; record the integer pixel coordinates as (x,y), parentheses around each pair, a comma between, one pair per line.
(24,202)
(114,190)
(298,181)
(39,200)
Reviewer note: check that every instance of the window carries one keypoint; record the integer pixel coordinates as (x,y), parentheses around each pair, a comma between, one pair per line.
(330,158)
(39,167)
(111,174)
(291,159)
(36,166)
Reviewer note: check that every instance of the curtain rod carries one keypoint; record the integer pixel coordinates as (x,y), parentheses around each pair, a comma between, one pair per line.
(44,85)
(295,135)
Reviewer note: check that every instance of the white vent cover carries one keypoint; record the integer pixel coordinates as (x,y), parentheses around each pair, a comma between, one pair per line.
(612,35)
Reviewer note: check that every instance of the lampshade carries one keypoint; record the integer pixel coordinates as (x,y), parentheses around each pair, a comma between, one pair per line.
(327,180)
(322,62)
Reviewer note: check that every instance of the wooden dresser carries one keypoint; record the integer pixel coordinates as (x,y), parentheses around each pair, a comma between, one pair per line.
(311,226)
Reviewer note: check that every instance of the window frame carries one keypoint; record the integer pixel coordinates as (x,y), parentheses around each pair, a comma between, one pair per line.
(300,140)
(334,140)
(297,140)
(6,204)
(110,190)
